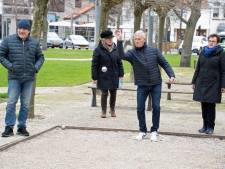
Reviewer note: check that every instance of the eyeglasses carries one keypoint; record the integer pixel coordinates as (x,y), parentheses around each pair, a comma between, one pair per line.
(210,41)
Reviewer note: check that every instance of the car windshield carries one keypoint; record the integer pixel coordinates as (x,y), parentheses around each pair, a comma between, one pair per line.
(77,38)
(52,35)
(198,39)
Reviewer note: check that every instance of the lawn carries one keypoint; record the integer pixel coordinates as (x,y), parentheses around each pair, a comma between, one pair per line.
(61,73)
(70,73)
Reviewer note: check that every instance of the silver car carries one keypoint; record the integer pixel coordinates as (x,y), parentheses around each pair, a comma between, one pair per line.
(76,42)
(53,40)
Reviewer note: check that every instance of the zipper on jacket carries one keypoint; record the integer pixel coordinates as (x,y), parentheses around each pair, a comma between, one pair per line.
(24,61)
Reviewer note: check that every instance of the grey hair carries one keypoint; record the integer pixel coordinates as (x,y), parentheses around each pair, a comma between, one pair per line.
(140,33)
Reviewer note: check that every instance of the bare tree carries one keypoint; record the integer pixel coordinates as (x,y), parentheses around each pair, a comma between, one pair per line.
(40,15)
(195,7)
(105,8)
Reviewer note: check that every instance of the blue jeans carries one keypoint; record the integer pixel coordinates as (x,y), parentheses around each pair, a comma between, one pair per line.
(142,93)
(18,89)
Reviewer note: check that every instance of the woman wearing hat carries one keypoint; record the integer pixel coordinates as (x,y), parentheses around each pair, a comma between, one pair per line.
(107,68)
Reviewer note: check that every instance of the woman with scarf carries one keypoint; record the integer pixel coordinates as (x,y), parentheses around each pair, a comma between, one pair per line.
(107,69)
(209,81)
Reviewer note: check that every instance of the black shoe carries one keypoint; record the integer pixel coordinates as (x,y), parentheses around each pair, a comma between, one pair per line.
(8,131)
(209,131)
(202,130)
(22,131)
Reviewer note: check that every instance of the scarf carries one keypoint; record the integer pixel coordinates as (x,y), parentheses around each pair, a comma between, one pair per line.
(107,47)
(207,52)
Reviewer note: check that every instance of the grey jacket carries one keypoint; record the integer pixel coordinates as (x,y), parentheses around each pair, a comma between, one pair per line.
(145,62)
(22,58)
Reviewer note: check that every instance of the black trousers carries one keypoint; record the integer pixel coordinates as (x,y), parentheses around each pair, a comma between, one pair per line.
(112,100)
(208,114)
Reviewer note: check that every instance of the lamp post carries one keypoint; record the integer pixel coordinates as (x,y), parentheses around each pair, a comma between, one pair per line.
(97,22)
(150,28)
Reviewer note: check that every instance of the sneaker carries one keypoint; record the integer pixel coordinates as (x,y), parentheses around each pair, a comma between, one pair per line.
(154,135)
(141,136)
(8,131)
(22,131)
(209,131)
(202,130)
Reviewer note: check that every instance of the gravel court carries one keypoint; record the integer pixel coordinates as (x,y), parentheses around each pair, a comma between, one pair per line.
(78,149)
(71,106)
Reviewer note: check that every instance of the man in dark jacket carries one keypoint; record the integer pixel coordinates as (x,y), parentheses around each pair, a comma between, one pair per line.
(107,68)
(146,61)
(21,55)
(209,81)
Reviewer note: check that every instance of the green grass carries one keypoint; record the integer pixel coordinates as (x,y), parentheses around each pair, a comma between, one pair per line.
(174,60)
(61,73)
(67,53)
(70,73)
(3,97)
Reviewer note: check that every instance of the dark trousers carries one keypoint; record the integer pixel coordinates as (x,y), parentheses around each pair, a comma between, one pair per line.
(112,100)
(142,94)
(208,114)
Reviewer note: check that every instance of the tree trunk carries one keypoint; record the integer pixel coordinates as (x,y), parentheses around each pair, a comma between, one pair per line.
(104,16)
(45,31)
(162,19)
(119,17)
(189,33)
(40,13)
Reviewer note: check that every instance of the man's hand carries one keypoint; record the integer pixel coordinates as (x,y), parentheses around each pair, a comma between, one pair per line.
(193,86)
(118,35)
(223,90)
(172,80)
(94,81)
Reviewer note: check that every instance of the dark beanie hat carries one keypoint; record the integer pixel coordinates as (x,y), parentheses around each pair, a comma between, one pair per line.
(106,34)
(24,24)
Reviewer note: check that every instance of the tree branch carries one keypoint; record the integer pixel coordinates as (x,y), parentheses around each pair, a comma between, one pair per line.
(180,17)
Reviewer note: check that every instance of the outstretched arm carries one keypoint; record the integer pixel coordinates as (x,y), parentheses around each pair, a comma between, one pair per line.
(166,66)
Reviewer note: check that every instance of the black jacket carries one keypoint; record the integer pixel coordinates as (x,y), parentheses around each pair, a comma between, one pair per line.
(145,62)
(22,58)
(110,60)
(209,77)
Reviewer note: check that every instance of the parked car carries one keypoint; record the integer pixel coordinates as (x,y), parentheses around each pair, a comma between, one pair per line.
(222,39)
(53,40)
(197,44)
(76,42)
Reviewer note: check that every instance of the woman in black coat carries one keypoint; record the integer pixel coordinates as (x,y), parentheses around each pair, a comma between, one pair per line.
(209,81)
(107,68)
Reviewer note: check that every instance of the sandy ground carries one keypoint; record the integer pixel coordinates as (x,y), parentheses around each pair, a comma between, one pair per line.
(113,150)
(92,149)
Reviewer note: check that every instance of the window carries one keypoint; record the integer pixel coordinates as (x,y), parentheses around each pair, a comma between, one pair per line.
(215,12)
(78,4)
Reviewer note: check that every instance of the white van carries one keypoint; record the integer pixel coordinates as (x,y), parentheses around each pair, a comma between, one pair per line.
(197,44)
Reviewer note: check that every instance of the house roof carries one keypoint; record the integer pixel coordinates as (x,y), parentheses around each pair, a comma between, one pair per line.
(81,11)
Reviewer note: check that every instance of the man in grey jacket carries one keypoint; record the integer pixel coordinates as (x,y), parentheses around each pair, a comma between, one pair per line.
(146,61)
(21,55)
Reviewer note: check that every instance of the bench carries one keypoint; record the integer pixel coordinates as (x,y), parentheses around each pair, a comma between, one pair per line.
(169,85)
(94,93)
(149,107)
